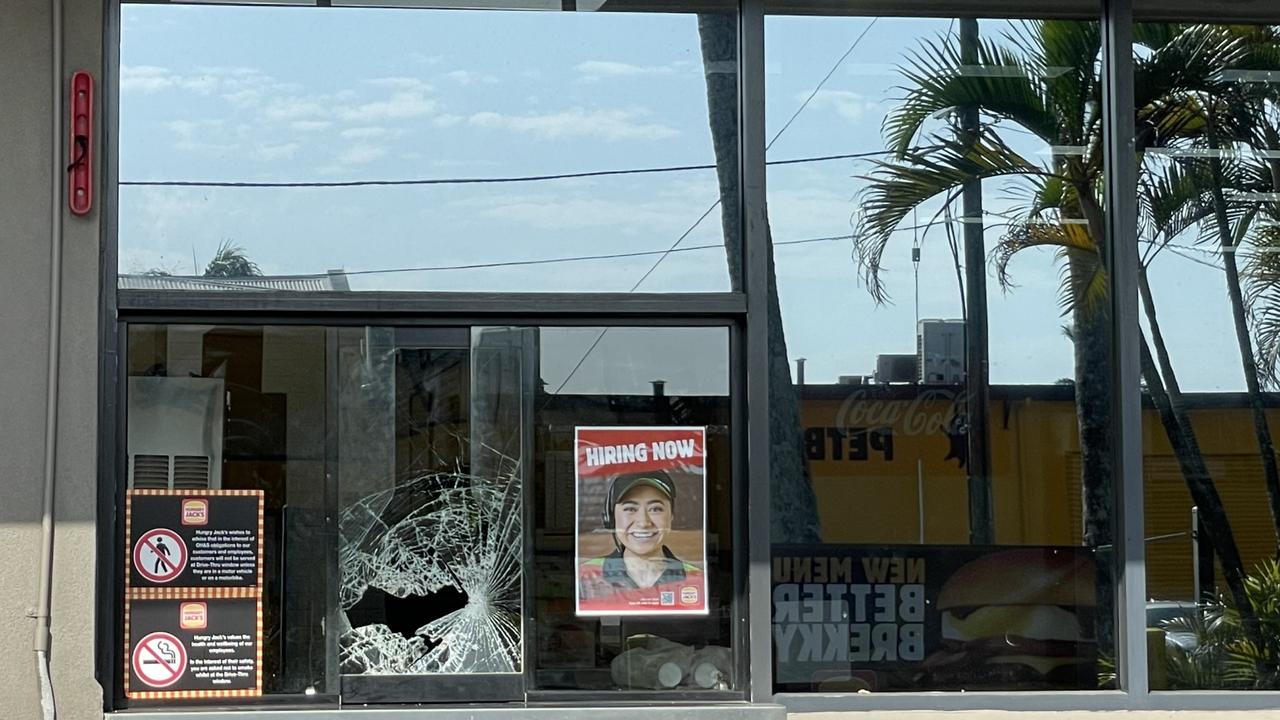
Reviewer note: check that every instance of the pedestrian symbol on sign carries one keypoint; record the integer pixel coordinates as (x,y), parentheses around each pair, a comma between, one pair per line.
(160,555)
(159,659)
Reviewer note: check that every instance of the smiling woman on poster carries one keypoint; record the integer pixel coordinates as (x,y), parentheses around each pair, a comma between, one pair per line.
(638,511)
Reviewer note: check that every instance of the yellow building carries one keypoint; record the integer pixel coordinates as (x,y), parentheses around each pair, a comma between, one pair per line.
(887,465)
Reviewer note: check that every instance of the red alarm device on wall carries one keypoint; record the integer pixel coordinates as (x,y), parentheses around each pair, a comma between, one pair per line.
(80,148)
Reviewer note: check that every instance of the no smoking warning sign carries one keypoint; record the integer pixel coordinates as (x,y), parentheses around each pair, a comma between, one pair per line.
(186,649)
(159,660)
(159,555)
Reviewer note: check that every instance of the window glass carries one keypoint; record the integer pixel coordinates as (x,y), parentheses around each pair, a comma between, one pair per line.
(600,621)
(336,149)
(1208,135)
(228,409)
(942,470)
(397,525)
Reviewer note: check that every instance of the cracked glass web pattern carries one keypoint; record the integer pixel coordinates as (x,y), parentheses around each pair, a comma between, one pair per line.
(448,531)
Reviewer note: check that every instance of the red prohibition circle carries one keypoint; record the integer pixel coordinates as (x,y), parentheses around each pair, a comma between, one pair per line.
(175,566)
(144,650)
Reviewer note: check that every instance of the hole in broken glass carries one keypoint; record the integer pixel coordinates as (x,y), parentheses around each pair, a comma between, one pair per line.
(426,538)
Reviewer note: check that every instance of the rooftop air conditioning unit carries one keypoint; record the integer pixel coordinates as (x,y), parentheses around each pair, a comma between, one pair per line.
(895,368)
(175,433)
(940,351)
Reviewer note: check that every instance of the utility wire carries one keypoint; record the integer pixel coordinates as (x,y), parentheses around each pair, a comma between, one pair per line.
(852,46)
(476,180)
(249,284)
(576,258)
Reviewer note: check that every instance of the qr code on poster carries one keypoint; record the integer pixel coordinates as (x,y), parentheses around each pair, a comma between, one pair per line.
(667,597)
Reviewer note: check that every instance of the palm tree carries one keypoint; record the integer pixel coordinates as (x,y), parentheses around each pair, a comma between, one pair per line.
(230,261)
(794,508)
(1041,78)
(1203,186)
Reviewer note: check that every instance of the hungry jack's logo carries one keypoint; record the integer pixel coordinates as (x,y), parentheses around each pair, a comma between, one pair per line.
(195,511)
(193,616)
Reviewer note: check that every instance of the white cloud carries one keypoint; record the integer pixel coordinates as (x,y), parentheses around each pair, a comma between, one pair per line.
(295,108)
(400,83)
(310,125)
(554,213)
(356,133)
(467,77)
(237,84)
(199,136)
(600,69)
(401,105)
(447,120)
(847,104)
(145,79)
(609,125)
(361,153)
(244,98)
(276,152)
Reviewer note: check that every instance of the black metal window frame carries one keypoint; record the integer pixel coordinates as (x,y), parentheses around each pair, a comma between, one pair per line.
(122,308)
(747,313)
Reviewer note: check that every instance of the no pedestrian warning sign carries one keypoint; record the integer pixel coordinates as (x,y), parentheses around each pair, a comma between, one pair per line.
(205,539)
(160,555)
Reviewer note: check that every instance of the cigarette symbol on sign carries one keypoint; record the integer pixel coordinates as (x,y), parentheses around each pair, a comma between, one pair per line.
(159,659)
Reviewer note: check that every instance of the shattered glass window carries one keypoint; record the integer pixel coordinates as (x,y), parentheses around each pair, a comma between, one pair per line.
(430,533)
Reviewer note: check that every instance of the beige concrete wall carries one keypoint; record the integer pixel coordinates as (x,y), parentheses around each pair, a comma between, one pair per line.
(26,172)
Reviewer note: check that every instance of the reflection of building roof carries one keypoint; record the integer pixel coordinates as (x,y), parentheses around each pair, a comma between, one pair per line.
(1056,392)
(329,281)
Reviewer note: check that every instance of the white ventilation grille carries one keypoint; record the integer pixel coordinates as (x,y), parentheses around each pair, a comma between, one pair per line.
(175,433)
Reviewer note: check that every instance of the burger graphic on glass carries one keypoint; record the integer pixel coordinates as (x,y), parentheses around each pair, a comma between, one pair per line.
(1017,619)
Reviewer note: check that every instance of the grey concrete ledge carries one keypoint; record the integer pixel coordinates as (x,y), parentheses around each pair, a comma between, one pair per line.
(1080,701)
(737,711)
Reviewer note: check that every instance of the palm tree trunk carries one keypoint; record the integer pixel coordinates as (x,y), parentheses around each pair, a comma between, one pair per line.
(794,508)
(1090,333)
(1185,446)
(1097,466)
(1261,429)
(1205,495)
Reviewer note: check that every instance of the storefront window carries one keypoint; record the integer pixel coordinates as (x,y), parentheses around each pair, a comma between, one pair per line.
(345,149)
(630,394)
(365,490)
(1208,139)
(942,513)
(214,411)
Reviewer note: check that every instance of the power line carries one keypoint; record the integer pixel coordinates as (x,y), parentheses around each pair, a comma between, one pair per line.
(476,180)
(852,46)
(574,258)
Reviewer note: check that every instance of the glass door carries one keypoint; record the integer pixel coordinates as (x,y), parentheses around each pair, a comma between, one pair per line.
(431,444)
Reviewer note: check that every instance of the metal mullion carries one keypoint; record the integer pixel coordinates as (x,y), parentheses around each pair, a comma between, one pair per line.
(424,320)
(751,118)
(739,473)
(112,463)
(1126,401)
(387,304)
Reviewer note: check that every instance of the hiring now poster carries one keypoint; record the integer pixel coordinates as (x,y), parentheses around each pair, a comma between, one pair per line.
(640,526)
